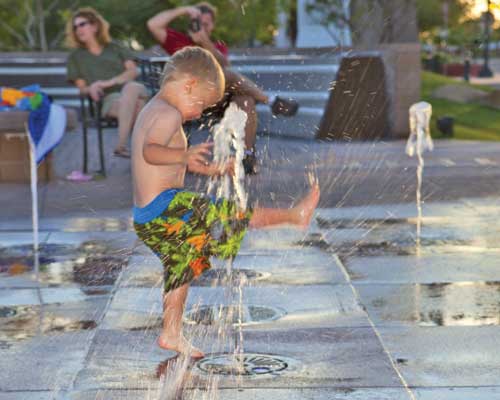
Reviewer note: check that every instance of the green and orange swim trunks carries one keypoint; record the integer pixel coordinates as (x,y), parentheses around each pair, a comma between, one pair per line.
(184,229)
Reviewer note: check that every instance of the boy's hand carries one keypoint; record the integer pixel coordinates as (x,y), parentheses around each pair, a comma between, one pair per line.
(196,157)
(229,167)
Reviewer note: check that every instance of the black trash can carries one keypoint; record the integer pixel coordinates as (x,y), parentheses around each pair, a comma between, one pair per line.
(445,126)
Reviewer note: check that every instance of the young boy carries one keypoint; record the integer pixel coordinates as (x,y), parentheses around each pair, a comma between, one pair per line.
(176,224)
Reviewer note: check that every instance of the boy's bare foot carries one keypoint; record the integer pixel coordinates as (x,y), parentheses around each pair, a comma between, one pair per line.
(180,345)
(304,210)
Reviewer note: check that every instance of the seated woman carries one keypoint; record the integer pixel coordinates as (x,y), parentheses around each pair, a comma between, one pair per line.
(105,71)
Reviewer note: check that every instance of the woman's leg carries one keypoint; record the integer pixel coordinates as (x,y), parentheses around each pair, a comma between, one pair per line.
(132,97)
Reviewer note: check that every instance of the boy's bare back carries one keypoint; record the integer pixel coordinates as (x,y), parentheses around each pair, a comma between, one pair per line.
(158,123)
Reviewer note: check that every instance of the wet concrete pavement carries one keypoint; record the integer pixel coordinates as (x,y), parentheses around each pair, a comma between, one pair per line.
(334,321)
(347,310)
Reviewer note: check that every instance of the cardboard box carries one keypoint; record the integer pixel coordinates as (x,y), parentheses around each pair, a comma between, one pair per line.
(15,161)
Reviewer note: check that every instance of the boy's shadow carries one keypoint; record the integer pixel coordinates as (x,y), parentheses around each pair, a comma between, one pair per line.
(175,365)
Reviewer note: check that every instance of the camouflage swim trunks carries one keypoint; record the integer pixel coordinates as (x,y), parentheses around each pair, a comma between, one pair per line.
(184,229)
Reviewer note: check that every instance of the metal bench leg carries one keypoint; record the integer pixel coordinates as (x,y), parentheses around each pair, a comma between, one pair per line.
(85,136)
(99,136)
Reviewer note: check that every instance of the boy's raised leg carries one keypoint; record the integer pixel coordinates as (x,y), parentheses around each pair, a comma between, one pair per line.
(171,337)
(299,215)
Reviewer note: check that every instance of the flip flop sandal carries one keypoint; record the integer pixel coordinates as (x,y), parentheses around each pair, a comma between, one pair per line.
(123,153)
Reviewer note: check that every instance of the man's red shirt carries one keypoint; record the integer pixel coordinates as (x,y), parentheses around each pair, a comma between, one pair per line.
(177,40)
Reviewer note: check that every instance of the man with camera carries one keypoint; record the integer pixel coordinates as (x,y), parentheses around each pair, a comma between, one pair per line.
(245,93)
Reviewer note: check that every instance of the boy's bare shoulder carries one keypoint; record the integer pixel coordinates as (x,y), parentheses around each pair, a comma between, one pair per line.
(160,111)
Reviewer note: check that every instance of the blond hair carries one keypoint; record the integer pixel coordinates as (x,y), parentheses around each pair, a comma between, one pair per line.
(197,62)
(92,16)
(207,8)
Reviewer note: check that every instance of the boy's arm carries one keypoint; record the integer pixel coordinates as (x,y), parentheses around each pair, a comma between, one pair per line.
(156,150)
(157,25)
(212,169)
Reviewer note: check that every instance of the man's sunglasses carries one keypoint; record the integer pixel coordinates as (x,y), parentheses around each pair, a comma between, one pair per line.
(80,25)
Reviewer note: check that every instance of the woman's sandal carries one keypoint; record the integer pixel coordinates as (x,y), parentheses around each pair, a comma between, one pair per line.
(121,152)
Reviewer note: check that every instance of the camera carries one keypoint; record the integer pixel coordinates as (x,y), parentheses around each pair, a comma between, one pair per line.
(194,25)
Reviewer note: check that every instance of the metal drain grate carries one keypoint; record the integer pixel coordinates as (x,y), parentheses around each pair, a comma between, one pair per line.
(246,365)
(220,276)
(250,314)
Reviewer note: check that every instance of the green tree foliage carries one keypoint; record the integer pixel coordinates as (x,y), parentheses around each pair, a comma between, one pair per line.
(431,16)
(39,24)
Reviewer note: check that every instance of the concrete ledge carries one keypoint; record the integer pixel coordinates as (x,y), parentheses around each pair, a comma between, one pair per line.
(15,121)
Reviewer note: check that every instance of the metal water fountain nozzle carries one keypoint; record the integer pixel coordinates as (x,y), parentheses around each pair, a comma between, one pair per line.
(420,135)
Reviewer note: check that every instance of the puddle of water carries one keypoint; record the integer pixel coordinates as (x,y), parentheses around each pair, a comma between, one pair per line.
(90,264)
(24,322)
(223,277)
(444,304)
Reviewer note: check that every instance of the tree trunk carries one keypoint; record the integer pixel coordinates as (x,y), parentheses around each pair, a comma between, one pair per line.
(383,21)
(40,18)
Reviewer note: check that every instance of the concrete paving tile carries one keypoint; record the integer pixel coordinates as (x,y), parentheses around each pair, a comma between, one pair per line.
(21,238)
(112,395)
(273,239)
(24,281)
(18,297)
(435,304)
(114,240)
(143,271)
(62,295)
(445,356)
(46,362)
(458,393)
(436,232)
(89,222)
(27,396)
(428,268)
(314,394)
(132,359)
(337,237)
(321,305)
(326,357)
(251,394)
(337,358)
(307,266)
(396,211)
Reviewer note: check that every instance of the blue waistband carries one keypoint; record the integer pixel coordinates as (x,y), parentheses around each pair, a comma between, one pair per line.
(155,208)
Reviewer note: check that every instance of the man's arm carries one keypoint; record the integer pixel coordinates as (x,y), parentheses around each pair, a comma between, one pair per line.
(201,38)
(158,24)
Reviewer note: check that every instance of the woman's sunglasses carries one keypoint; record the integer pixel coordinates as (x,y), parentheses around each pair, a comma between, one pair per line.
(80,25)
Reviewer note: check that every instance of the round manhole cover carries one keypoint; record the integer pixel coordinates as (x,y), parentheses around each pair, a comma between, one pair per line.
(246,365)
(218,276)
(247,313)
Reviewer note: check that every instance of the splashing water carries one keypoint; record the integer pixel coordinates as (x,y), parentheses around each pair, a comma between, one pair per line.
(229,141)
(419,141)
